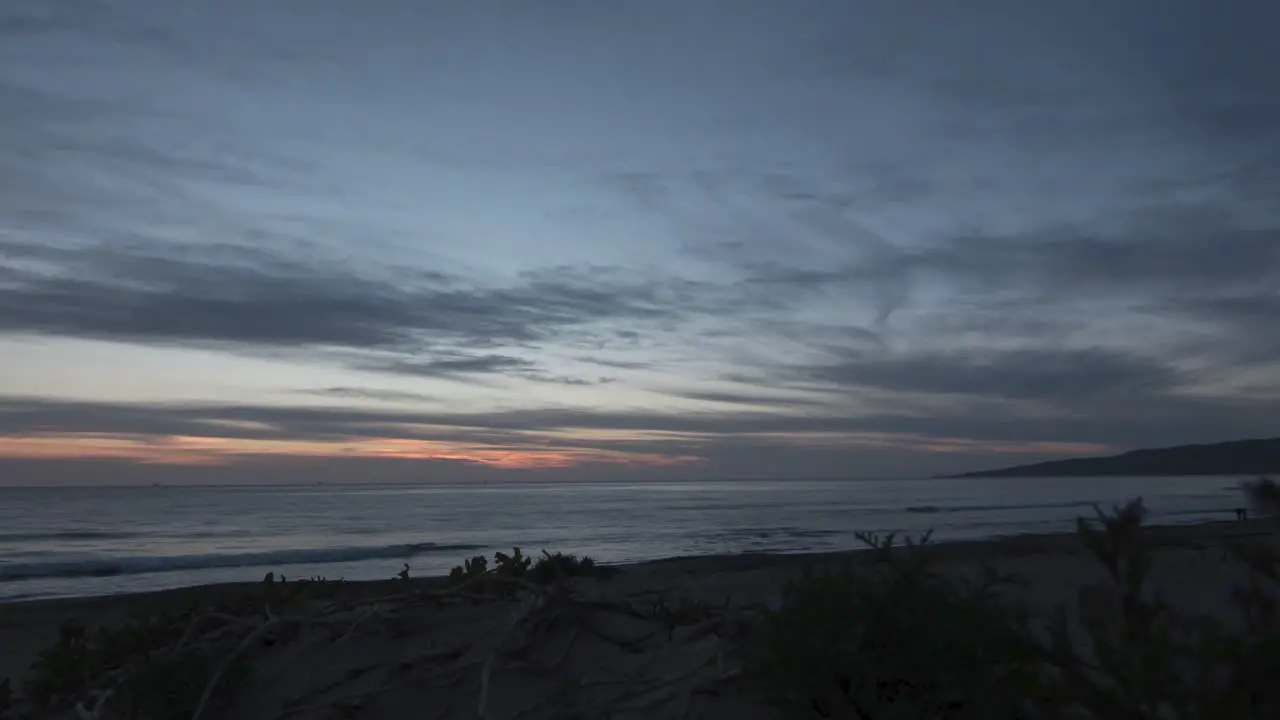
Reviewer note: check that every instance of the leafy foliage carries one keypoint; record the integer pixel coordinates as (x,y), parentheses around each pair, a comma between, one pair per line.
(169,688)
(145,682)
(893,639)
(145,664)
(548,569)
(472,568)
(559,566)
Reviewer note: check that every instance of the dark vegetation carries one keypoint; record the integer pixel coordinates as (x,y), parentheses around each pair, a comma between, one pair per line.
(898,640)
(548,568)
(188,664)
(890,638)
(1263,495)
(1241,457)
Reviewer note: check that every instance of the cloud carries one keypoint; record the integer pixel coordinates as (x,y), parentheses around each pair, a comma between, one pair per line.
(33,430)
(1063,377)
(1053,226)
(158,295)
(1035,281)
(569,380)
(369,393)
(773,401)
(25,18)
(151,292)
(897,425)
(1240,328)
(474,368)
(453,366)
(616,364)
(1166,250)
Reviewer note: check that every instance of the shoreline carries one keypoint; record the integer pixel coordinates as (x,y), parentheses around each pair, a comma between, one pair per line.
(1189,569)
(948,548)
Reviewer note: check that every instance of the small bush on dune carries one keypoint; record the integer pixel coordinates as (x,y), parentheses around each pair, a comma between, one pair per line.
(548,569)
(470,568)
(560,566)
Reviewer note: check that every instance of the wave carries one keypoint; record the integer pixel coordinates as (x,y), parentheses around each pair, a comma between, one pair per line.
(785,533)
(141,565)
(64,535)
(1212,511)
(931,509)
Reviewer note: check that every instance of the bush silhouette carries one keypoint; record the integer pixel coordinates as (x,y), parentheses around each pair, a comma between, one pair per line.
(1263,495)
(895,639)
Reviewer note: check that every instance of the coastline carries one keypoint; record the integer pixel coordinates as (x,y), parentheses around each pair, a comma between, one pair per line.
(1189,569)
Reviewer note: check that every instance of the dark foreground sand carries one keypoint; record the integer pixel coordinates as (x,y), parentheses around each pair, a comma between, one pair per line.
(401,650)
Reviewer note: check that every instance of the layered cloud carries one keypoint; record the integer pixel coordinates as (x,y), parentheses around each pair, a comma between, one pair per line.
(826,241)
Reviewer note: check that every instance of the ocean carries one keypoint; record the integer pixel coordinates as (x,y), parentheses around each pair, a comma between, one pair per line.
(59,542)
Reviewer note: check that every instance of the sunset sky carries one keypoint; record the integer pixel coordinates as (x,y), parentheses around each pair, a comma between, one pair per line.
(301,240)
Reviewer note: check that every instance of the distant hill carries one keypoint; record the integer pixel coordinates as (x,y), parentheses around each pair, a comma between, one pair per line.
(1241,457)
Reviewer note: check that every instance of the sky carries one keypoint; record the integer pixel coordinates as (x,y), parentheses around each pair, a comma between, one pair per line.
(298,240)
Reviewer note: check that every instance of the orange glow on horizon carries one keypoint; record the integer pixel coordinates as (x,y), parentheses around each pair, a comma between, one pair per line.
(538,454)
(201,450)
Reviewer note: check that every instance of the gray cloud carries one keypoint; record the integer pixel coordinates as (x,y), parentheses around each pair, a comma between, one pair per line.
(1162,249)
(152,292)
(472,368)
(756,399)
(454,366)
(1243,325)
(1182,258)
(1120,419)
(615,364)
(1054,222)
(1065,377)
(167,299)
(569,380)
(25,18)
(368,393)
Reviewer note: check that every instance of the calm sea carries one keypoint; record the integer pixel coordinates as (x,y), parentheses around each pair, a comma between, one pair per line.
(89,541)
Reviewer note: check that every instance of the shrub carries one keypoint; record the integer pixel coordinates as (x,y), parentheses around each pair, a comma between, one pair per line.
(1263,494)
(145,681)
(549,568)
(169,688)
(472,568)
(513,565)
(893,639)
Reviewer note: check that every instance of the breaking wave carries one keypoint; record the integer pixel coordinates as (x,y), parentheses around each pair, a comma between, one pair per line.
(107,567)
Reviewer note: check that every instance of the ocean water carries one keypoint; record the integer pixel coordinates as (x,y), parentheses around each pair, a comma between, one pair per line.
(57,542)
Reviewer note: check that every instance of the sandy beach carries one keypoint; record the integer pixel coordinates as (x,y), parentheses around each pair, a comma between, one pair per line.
(417,649)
